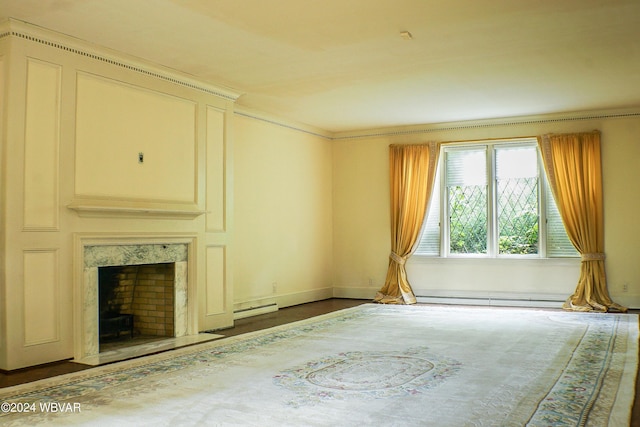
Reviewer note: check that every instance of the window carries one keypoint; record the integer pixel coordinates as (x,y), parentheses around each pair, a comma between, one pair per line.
(492,200)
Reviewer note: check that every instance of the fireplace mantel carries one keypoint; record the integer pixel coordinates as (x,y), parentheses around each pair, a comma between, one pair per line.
(94,251)
(134,209)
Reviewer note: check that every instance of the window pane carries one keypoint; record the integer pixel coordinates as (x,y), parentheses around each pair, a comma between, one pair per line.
(516,162)
(467,167)
(517,200)
(467,201)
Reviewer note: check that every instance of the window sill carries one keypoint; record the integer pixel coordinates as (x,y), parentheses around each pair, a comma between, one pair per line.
(423,259)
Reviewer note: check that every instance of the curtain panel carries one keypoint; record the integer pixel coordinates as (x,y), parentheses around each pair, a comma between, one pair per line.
(574,169)
(412,171)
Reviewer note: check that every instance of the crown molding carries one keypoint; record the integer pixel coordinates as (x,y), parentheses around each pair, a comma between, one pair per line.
(279,121)
(489,123)
(13,28)
(426,128)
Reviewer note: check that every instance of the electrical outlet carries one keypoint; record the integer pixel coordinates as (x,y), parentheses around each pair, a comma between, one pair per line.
(274,285)
(370,281)
(625,287)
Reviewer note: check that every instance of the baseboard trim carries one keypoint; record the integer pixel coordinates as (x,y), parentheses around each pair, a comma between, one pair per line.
(255,311)
(296,298)
(355,293)
(255,307)
(443,296)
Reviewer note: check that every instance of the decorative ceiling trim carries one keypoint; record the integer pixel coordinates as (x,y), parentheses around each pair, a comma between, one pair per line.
(26,32)
(443,127)
(481,124)
(281,123)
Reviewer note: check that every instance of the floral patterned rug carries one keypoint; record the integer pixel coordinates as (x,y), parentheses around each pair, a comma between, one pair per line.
(371,365)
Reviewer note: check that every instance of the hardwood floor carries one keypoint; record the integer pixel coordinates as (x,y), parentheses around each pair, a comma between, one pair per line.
(280,317)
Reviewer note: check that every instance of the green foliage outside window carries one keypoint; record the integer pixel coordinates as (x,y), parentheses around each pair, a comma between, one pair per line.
(518,221)
(468,219)
(518,216)
(523,240)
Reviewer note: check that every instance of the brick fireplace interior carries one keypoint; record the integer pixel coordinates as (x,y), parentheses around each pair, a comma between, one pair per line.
(136,302)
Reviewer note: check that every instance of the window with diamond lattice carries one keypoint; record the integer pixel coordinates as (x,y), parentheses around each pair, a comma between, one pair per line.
(467,201)
(493,201)
(468,219)
(517,200)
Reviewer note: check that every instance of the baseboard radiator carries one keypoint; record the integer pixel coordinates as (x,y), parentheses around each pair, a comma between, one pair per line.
(255,311)
(498,301)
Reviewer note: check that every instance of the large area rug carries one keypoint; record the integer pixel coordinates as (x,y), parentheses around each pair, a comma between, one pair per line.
(371,365)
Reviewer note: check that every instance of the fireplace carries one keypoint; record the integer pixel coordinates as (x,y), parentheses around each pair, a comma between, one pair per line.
(135,299)
(166,303)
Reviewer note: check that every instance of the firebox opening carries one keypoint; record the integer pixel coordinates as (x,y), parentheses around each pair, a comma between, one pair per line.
(136,304)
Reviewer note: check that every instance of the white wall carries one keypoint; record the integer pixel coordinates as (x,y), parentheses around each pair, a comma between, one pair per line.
(283,221)
(361,215)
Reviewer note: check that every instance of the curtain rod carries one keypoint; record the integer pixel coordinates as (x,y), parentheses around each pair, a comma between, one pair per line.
(513,138)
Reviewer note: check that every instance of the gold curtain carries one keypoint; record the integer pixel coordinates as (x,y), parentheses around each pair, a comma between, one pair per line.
(574,169)
(412,172)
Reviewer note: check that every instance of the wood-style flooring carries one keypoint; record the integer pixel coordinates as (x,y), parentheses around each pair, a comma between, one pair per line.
(280,317)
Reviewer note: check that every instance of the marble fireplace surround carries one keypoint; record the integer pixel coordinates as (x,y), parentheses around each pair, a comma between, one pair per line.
(92,252)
